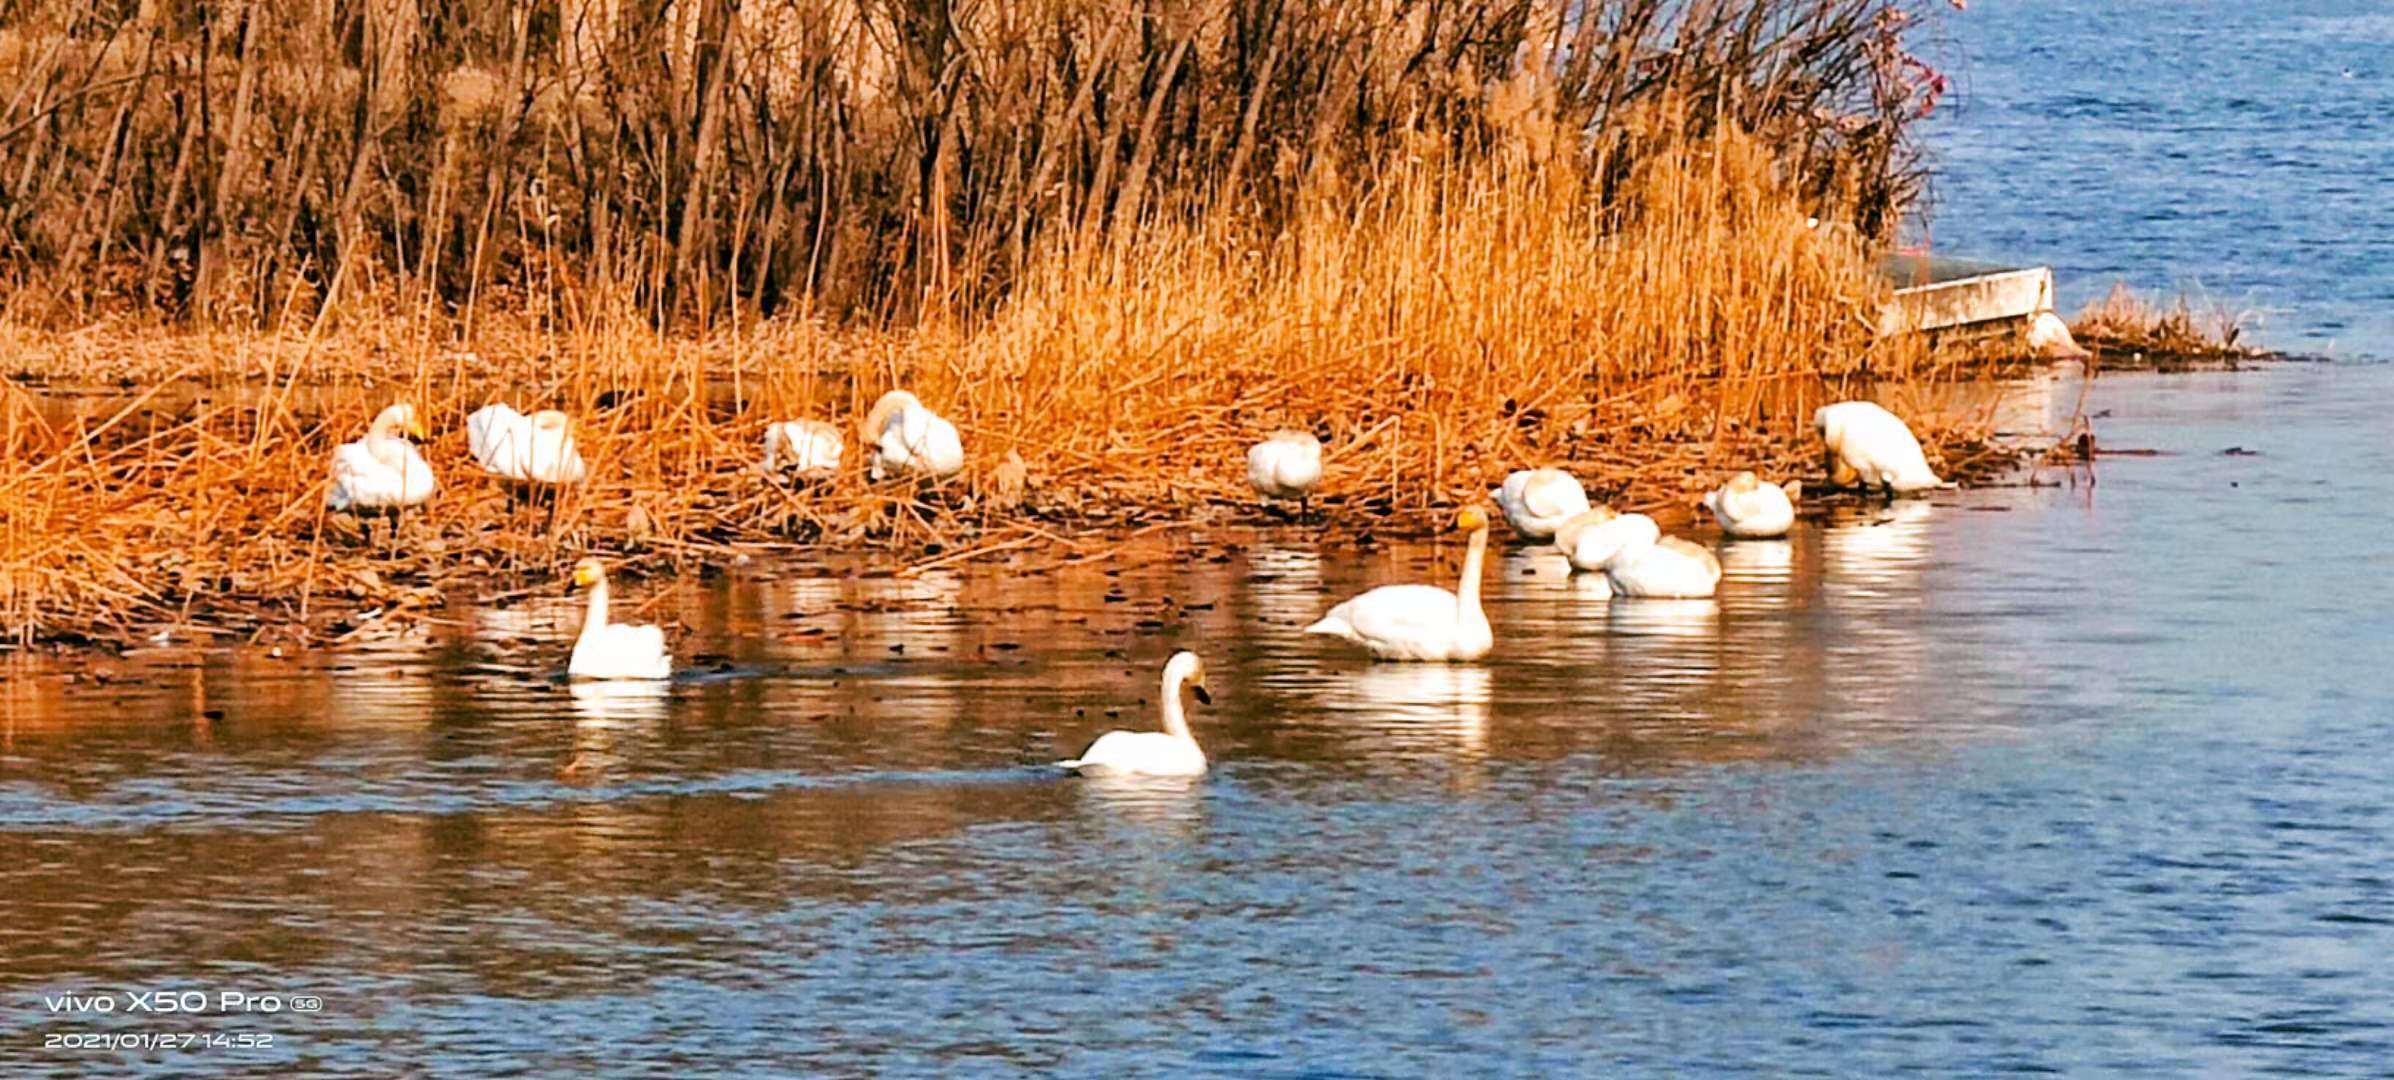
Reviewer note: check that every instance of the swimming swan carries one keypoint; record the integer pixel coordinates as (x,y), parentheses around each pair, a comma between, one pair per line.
(1170,752)
(537,449)
(1536,502)
(1421,622)
(908,439)
(613,650)
(1750,509)
(1668,568)
(808,449)
(381,472)
(1867,445)
(1286,465)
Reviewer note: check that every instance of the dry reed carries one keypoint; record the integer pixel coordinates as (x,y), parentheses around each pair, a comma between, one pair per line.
(1115,243)
(2126,326)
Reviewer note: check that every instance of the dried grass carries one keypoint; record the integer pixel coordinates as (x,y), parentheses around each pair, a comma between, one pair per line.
(2127,326)
(1455,319)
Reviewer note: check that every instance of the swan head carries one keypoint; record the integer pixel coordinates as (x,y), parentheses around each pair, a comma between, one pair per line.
(1742,483)
(401,418)
(551,420)
(588,573)
(1472,519)
(1190,670)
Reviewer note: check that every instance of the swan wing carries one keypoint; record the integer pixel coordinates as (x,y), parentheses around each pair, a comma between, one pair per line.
(357,479)
(1394,613)
(1137,753)
(1555,496)
(496,435)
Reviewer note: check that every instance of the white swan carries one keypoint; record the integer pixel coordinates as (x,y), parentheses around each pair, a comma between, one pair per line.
(808,449)
(1870,446)
(908,439)
(1590,540)
(2049,338)
(383,471)
(1670,567)
(1286,465)
(1421,622)
(1750,509)
(1536,502)
(1170,752)
(536,449)
(613,650)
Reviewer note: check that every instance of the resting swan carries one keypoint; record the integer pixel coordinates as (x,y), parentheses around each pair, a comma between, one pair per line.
(1749,509)
(536,449)
(910,440)
(1170,752)
(1536,502)
(1590,540)
(1869,446)
(381,472)
(1634,556)
(1670,567)
(1421,622)
(1286,465)
(807,449)
(613,650)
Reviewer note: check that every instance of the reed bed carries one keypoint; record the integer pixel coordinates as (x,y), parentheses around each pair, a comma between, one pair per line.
(1451,322)
(1114,244)
(701,160)
(2126,326)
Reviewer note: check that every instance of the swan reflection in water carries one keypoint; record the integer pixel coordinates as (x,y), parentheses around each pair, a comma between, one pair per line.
(1284,584)
(1416,710)
(1879,548)
(606,703)
(1758,575)
(1135,811)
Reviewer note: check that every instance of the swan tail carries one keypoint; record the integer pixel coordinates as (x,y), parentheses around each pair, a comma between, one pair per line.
(1334,624)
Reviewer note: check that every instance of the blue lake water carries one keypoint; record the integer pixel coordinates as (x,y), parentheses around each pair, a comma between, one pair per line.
(2240,151)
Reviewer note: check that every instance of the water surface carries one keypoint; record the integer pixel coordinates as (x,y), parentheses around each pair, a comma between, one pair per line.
(2075,777)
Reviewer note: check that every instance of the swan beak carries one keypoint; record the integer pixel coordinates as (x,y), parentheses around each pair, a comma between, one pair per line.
(1203,698)
(1472,518)
(583,578)
(414,429)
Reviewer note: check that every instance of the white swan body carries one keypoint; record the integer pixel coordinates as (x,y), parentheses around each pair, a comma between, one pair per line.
(614,650)
(1870,446)
(1170,752)
(1750,509)
(1536,502)
(537,449)
(1670,567)
(381,471)
(1286,465)
(2049,338)
(808,449)
(1421,622)
(1590,540)
(908,439)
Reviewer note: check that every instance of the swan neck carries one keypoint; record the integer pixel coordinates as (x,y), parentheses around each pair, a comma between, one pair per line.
(1176,722)
(596,617)
(1468,589)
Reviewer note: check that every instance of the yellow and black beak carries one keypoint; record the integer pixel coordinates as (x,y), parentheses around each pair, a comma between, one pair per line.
(1203,698)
